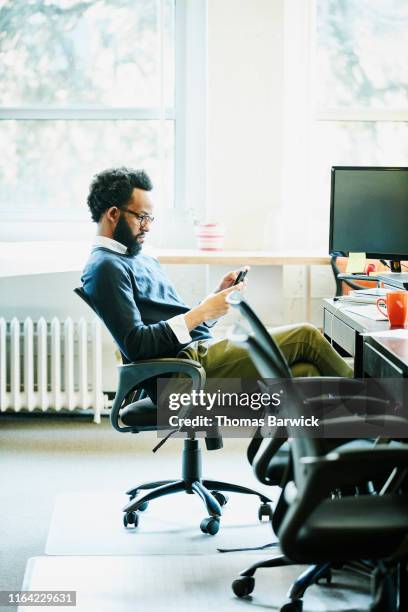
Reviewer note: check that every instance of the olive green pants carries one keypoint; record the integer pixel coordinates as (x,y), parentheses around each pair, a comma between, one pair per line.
(306,350)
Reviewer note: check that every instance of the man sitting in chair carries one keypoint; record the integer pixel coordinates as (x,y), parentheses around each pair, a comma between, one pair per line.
(142,309)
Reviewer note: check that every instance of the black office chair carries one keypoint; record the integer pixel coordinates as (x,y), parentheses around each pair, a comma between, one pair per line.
(133,412)
(319,542)
(329,530)
(342,278)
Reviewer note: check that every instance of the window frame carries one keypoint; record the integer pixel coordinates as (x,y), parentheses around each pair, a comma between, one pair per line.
(190,41)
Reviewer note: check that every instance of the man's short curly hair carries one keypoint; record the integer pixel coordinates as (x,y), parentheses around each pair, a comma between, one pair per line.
(114,187)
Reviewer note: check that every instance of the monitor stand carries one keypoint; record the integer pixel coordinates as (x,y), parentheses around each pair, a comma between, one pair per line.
(395,265)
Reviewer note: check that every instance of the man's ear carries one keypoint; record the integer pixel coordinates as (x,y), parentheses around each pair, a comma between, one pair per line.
(112,214)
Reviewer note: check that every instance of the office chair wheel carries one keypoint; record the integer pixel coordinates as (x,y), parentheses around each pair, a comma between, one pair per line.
(243,586)
(265,510)
(220,497)
(131,518)
(210,525)
(293,606)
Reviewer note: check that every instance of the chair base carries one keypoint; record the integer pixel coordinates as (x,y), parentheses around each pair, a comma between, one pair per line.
(389,585)
(210,491)
(245,583)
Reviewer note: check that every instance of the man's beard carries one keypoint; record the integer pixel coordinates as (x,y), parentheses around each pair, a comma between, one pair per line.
(123,234)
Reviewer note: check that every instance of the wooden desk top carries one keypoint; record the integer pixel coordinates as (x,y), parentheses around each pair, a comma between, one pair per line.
(256,258)
(397,347)
(26,258)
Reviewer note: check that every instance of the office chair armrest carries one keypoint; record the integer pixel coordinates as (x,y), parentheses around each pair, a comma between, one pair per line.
(351,403)
(379,426)
(350,383)
(353,285)
(347,467)
(340,427)
(350,278)
(315,386)
(262,460)
(131,375)
(321,383)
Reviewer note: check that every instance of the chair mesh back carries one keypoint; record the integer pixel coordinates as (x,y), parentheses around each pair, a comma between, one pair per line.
(81,293)
(277,359)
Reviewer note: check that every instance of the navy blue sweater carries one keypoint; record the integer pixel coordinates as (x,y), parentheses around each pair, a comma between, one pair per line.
(134,298)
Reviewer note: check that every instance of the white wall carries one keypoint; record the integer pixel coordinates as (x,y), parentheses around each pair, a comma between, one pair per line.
(246,115)
(245,102)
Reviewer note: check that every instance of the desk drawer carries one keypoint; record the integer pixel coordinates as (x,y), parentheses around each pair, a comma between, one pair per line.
(340,332)
(377,365)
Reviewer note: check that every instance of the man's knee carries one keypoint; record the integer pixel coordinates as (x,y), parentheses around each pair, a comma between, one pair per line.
(305,370)
(309,332)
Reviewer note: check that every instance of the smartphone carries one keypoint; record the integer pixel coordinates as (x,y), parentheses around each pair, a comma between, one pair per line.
(241,275)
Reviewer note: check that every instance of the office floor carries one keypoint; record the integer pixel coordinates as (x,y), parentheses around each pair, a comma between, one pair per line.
(42,457)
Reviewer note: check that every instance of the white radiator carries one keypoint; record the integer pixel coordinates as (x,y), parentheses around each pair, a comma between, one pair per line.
(51,365)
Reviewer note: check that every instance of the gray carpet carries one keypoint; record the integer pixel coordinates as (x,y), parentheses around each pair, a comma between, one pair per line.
(182,583)
(91,524)
(44,459)
(44,456)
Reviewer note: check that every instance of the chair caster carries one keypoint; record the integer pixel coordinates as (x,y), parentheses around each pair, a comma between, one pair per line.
(210,525)
(131,518)
(220,497)
(265,510)
(293,606)
(243,586)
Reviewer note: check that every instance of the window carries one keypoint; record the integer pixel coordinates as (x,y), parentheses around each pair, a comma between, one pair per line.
(84,85)
(354,97)
(361,55)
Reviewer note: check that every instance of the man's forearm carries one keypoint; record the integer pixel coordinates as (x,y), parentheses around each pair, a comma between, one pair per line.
(195,317)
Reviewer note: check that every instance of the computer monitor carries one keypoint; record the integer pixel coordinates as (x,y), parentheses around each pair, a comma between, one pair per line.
(369,212)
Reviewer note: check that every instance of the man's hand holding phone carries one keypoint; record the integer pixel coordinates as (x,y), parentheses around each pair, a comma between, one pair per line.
(233,278)
(215,305)
(212,307)
(241,276)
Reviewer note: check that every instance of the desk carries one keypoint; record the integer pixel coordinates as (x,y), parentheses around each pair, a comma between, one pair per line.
(374,357)
(22,258)
(26,258)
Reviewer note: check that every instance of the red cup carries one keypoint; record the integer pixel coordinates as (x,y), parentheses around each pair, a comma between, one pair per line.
(396,304)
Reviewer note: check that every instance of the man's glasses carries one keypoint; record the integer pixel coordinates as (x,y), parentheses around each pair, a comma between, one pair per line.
(143,219)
